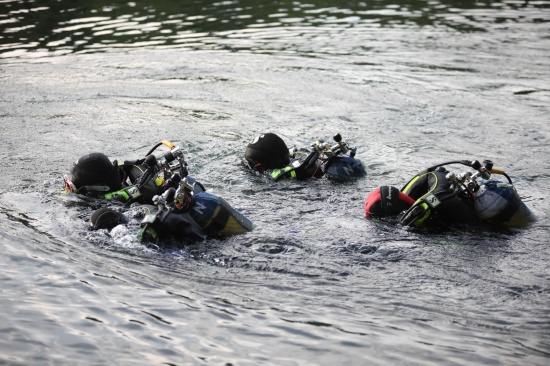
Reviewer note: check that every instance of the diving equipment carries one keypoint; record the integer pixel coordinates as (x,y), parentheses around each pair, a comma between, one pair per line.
(175,203)
(437,194)
(336,162)
(186,212)
(132,181)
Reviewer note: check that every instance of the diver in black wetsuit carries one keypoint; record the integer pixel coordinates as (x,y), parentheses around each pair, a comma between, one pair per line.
(173,202)
(437,195)
(269,155)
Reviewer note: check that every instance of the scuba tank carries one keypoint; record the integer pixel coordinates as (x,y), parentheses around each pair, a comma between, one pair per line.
(345,168)
(215,216)
(188,212)
(334,162)
(499,203)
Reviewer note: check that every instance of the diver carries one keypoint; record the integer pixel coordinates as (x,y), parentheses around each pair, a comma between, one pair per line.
(269,155)
(437,195)
(131,181)
(171,202)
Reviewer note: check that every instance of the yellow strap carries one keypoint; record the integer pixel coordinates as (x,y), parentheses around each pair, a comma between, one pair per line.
(276,173)
(168,144)
(409,185)
(427,213)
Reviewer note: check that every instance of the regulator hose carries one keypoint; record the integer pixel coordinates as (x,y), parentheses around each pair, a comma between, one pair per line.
(166,143)
(501,172)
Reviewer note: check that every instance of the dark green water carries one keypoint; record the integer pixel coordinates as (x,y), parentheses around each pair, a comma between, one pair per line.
(410,84)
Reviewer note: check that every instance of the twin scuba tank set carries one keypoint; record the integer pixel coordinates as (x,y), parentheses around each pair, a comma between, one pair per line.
(439,195)
(189,211)
(184,208)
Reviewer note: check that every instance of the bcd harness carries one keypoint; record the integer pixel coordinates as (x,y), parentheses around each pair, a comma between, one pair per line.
(434,194)
(302,167)
(138,190)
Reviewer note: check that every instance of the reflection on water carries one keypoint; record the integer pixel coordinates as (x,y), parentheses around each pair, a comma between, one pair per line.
(40,28)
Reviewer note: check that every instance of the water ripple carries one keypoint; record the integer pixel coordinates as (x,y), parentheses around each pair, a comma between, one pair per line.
(40,31)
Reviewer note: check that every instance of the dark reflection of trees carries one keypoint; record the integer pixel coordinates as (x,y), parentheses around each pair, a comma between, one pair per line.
(36,24)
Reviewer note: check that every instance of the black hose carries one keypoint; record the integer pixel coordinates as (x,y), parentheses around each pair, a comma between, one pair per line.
(508,177)
(153,148)
(463,162)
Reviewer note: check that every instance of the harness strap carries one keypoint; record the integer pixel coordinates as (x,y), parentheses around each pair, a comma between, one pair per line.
(423,207)
(125,194)
(277,174)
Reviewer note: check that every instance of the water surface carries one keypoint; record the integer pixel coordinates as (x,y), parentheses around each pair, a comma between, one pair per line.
(409,84)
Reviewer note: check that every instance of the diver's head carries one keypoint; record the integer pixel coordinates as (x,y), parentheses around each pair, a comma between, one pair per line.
(267,151)
(107,218)
(93,171)
(386,201)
